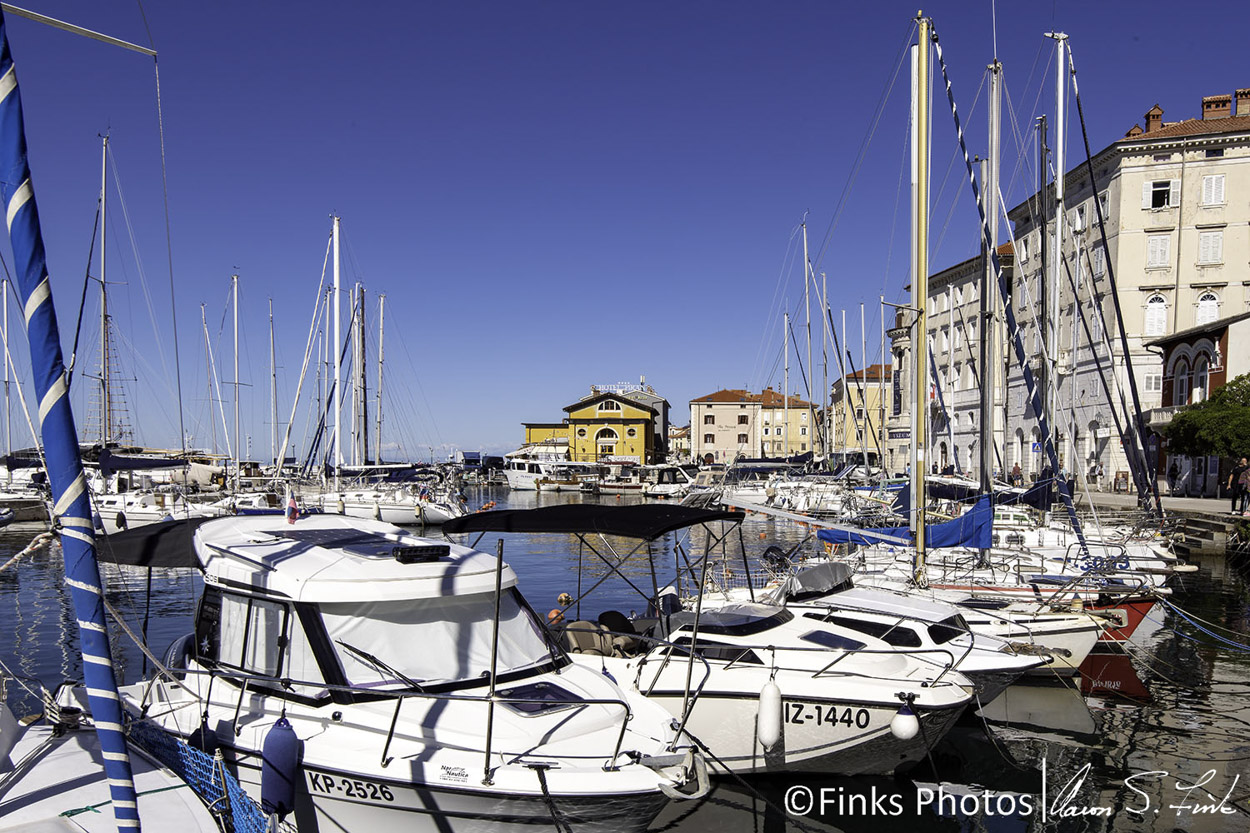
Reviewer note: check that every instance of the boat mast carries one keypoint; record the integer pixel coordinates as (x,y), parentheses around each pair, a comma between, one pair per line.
(8,426)
(824,349)
(807,308)
(273,396)
(863,389)
(238,437)
(1052,310)
(363,395)
(986,360)
(338,369)
(208,361)
(920,283)
(785,394)
(881,388)
(106,412)
(377,455)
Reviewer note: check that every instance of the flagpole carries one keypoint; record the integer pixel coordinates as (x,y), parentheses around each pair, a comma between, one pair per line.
(71,502)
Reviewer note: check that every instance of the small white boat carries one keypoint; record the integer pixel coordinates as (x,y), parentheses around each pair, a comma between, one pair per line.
(124,510)
(52,779)
(422,688)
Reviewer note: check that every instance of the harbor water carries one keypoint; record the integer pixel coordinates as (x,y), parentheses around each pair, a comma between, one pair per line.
(1155,737)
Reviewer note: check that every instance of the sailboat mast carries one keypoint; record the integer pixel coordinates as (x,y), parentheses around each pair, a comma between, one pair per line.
(208,371)
(1052,311)
(273,395)
(920,282)
(8,425)
(826,394)
(807,309)
(338,369)
(106,412)
(986,361)
(238,436)
(863,388)
(785,393)
(377,456)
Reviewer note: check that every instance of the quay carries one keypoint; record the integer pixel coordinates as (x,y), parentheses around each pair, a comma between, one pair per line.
(1206,523)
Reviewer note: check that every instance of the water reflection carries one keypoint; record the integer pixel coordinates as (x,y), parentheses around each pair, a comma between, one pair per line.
(1174,702)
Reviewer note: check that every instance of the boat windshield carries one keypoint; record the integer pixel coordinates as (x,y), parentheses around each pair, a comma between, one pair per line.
(393,645)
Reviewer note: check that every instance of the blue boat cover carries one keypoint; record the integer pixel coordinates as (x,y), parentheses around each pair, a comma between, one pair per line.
(973,528)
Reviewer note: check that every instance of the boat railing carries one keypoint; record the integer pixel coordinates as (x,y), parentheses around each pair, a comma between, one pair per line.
(744,650)
(245,679)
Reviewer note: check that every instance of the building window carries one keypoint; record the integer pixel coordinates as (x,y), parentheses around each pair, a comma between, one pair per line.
(709,439)
(959,338)
(1215,153)
(1161,193)
(581,432)
(1099,262)
(1208,308)
(1158,248)
(1200,380)
(631,432)
(742,439)
(1154,381)
(803,417)
(1078,218)
(1102,203)
(1211,247)
(859,413)
(777,430)
(1156,315)
(803,447)
(709,419)
(1023,243)
(1180,384)
(1213,189)
(609,405)
(803,431)
(742,419)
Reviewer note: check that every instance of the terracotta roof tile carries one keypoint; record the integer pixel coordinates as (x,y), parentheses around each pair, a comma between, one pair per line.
(1195,127)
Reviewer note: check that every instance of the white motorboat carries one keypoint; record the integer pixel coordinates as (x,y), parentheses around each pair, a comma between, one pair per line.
(422,688)
(820,697)
(123,510)
(824,591)
(526,475)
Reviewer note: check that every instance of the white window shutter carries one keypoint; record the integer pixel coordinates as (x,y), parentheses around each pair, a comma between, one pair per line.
(1217,247)
(1208,190)
(1146,189)
(1217,189)
(1174,193)
(1204,247)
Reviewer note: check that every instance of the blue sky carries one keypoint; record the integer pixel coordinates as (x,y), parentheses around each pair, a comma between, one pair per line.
(551,195)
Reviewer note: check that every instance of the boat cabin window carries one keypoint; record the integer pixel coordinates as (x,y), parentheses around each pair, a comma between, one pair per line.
(825,639)
(390,645)
(728,623)
(257,636)
(718,651)
(892,634)
(948,629)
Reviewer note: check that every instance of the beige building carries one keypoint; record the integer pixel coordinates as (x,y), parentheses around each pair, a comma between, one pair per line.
(1175,198)
(859,411)
(729,424)
(1176,202)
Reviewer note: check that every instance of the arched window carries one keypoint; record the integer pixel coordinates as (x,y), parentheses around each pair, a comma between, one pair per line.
(1180,383)
(1201,378)
(606,439)
(1156,315)
(1208,308)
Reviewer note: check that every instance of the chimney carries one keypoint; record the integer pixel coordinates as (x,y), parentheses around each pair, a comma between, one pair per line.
(1216,106)
(1243,102)
(1135,130)
(1154,118)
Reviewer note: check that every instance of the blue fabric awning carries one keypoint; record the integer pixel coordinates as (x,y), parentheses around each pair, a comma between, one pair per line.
(974,528)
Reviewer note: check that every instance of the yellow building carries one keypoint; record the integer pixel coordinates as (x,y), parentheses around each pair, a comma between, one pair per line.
(607,427)
(610,428)
(859,410)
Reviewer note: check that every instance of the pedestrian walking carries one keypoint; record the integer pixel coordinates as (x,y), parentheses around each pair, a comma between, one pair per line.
(1235,489)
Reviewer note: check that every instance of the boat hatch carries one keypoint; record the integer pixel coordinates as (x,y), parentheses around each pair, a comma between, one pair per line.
(825,639)
(733,620)
(352,541)
(538,698)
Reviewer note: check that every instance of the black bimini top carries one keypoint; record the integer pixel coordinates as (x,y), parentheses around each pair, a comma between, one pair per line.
(646,521)
(167,544)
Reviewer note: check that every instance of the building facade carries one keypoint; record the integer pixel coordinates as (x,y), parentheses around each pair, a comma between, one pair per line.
(858,412)
(613,424)
(1175,200)
(729,424)
(1196,362)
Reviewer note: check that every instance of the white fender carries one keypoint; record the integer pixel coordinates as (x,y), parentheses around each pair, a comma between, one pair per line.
(768,719)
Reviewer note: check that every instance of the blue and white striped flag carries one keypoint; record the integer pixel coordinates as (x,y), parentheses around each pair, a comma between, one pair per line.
(71,503)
